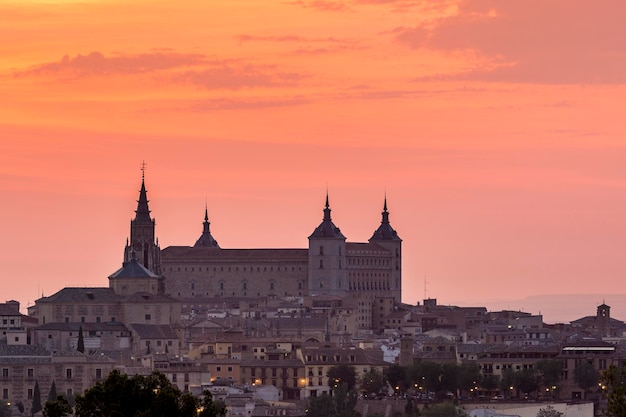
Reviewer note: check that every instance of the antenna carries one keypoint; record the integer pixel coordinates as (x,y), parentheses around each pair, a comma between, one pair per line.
(425,287)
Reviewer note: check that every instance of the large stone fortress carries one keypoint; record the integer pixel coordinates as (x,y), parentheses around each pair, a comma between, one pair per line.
(330,267)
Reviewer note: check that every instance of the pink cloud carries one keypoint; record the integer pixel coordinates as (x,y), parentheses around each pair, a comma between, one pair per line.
(322,5)
(233,75)
(96,63)
(533,41)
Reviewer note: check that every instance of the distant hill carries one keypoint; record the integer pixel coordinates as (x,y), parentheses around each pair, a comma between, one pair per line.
(555,308)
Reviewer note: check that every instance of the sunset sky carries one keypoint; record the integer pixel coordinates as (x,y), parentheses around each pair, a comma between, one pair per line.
(496,129)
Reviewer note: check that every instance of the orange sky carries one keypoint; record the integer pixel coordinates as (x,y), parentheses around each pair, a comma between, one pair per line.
(495,128)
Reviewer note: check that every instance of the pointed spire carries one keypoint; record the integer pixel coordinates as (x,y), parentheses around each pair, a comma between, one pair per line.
(327,228)
(143,212)
(327,209)
(385,231)
(206,240)
(385,213)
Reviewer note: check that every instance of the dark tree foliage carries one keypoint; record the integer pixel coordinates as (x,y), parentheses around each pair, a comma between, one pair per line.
(526,380)
(80,345)
(344,401)
(321,406)
(52,394)
(396,375)
(614,383)
(428,375)
(550,370)
(449,379)
(372,382)
(57,408)
(507,380)
(490,382)
(36,406)
(469,376)
(342,374)
(141,396)
(586,376)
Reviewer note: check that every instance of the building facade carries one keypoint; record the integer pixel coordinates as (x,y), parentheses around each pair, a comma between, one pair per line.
(330,266)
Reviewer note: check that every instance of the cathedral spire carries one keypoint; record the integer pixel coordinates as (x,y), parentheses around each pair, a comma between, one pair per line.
(143,212)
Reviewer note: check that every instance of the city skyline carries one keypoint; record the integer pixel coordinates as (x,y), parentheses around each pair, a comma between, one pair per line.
(499,148)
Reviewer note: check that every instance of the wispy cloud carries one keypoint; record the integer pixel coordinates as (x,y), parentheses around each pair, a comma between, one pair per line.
(532,41)
(96,63)
(234,74)
(322,5)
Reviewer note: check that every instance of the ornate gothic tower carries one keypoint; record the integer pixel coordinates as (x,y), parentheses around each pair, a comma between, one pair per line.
(386,237)
(142,244)
(327,258)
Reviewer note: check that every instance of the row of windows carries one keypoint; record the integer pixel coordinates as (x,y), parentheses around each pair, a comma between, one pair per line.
(368,275)
(83,319)
(369,286)
(230,269)
(30,373)
(368,262)
(244,285)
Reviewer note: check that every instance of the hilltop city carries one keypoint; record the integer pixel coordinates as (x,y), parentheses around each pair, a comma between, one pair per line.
(263,329)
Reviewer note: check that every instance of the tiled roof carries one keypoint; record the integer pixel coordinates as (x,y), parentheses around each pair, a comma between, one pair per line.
(8,310)
(144,297)
(22,350)
(365,248)
(133,269)
(87,326)
(154,331)
(176,253)
(82,294)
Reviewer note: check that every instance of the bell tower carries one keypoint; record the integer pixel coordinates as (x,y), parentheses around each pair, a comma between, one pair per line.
(142,245)
(388,238)
(327,258)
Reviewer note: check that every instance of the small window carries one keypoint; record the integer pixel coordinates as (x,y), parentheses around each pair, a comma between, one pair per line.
(68,373)
(148,317)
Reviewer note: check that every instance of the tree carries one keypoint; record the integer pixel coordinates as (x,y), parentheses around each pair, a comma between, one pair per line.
(321,406)
(526,380)
(397,376)
(549,411)
(490,382)
(52,394)
(80,345)
(344,401)
(469,376)
(372,382)
(613,382)
(120,395)
(586,376)
(57,408)
(550,370)
(36,407)
(341,374)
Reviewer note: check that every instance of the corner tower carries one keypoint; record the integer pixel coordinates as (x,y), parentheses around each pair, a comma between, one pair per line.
(327,258)
(142,245)
(206,240)
(388,238)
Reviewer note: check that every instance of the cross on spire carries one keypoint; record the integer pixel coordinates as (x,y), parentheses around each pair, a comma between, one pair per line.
(143,170)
